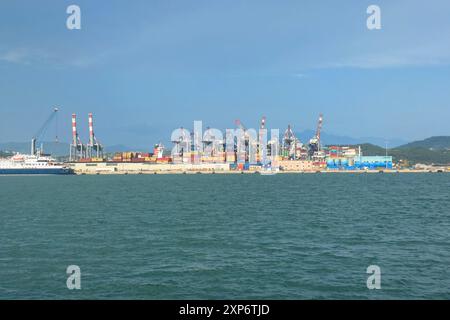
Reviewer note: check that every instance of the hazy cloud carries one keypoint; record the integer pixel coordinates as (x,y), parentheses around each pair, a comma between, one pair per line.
(15,56)
(26,56)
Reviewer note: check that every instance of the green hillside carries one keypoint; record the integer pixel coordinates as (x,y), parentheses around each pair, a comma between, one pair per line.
(421,155)
(425,151)
(433,143)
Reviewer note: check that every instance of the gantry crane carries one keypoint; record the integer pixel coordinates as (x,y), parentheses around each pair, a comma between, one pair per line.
(314,143)
(77,148)
(94,148)
(182,142)
(289,143)
(246,140)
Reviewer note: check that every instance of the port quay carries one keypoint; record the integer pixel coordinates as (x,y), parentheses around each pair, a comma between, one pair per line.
(238,151)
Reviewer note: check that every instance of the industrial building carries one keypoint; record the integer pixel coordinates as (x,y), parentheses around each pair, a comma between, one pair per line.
(360,163)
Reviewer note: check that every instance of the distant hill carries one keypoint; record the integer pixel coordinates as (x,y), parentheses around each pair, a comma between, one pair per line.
(408,152)
(57,149)
(329,139)
(421,155)
(431,150)
(54,148)
(433,143)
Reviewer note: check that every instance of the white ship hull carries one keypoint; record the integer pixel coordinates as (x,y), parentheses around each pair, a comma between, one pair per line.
(28,164)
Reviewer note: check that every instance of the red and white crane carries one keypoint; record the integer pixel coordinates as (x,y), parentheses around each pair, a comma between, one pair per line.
(77,149)
(94,148)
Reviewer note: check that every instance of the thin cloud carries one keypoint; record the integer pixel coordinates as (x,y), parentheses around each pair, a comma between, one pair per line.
(15,56)
(26,56)
(407,56)
(387,61)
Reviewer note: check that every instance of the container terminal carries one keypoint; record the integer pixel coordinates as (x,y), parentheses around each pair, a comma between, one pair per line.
(208,154)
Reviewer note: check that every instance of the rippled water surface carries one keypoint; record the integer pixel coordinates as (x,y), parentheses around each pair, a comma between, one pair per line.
(287,236)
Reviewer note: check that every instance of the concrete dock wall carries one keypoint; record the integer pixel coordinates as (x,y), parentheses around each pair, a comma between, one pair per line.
(148,168)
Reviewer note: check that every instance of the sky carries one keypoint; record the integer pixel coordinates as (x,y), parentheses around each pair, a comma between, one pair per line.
(145,68)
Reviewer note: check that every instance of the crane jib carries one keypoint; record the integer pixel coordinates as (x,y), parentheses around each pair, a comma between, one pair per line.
(41,132)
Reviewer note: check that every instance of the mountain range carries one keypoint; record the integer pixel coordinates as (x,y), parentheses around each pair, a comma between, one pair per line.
(57,149)
(433,143)
(329,139)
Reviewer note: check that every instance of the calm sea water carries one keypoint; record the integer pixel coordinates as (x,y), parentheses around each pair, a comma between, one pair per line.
(288,236)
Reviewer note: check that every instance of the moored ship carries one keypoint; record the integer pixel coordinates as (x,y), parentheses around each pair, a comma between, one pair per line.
(32,164)
(37,162)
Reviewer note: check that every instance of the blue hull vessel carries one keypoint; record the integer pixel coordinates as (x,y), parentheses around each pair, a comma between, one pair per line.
(35,171)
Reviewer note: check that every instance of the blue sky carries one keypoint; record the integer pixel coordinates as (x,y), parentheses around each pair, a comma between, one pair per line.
(147,67)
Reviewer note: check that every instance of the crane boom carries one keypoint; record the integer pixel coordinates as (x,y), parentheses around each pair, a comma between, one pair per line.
(240,125)
(40,133)
(319,126)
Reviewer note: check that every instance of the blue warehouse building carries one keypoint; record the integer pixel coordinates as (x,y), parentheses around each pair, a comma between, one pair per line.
(373,162)
(360,163)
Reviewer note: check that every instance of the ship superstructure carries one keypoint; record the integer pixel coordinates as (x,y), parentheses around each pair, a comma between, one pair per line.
(37,162)
(31,164)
